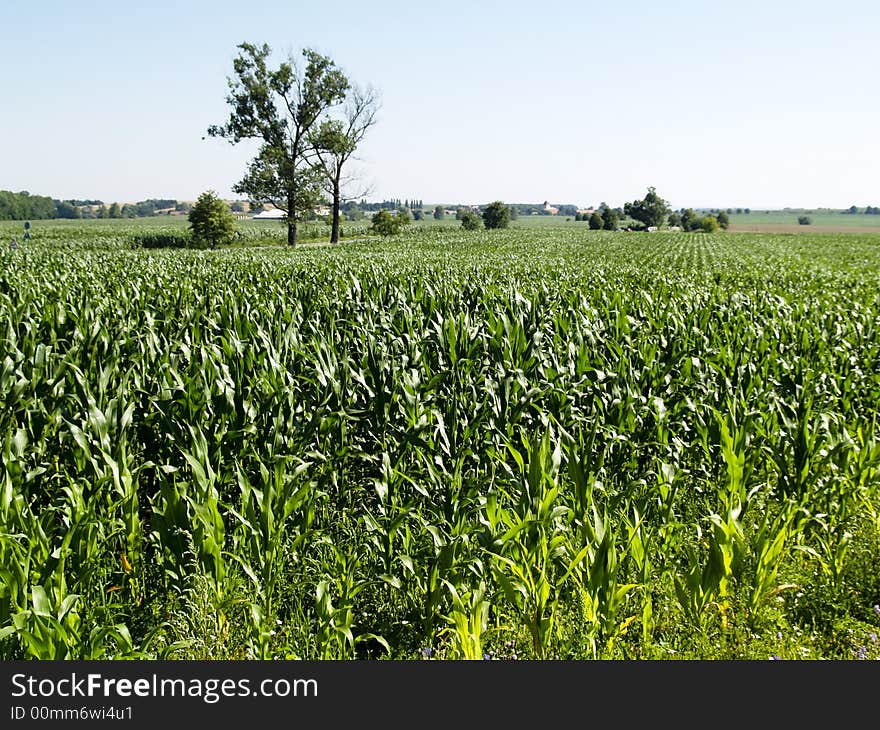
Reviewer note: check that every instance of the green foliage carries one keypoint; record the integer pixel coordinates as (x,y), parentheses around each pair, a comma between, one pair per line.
(439,213)
(24,206)
(804,220)
(280,108)
(723,220)
(652,210)
(496,215)
(211,221)
(63,209)
(596,222)
(709,224)
(610,219)
(386,224)
(690,221)
(471,220)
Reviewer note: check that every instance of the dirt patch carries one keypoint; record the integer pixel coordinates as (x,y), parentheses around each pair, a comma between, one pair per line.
(796,228)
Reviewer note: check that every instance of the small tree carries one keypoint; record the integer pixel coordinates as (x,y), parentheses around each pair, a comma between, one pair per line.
(596,222)
(675,220)
(211,221)
(438,213)
(496,215)
(386,224)
(723,220)
(470,221)
(804,220)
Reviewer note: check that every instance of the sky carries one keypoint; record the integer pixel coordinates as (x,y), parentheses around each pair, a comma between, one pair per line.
(749,104)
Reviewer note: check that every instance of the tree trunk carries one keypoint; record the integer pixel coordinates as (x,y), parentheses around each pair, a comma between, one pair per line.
(334,232)
(291,221)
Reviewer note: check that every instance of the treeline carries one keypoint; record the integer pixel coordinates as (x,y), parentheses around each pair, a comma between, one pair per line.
(392,204)
(24,206)
(141,209)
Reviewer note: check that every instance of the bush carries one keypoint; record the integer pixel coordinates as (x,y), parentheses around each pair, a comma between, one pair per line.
(709,224)
(805,220)
(596,222)
(211,221)
(470,221)
(386,224)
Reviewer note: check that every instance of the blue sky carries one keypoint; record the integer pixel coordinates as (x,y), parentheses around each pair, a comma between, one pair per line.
(759,104)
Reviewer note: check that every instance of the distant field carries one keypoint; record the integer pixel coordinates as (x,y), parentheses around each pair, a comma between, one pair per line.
(783,221)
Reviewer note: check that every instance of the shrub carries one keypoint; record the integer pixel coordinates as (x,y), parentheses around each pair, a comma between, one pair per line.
(805,220)
(709,224)
(386,224)
(596,222)
(470,221)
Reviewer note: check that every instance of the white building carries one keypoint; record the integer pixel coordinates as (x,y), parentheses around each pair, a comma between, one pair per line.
(270,214)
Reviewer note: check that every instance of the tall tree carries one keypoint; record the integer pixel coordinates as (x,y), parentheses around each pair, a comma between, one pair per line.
(334,143)
(652,210)
(280,108)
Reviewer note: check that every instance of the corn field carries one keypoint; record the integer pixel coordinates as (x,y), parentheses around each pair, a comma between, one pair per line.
(531,444)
